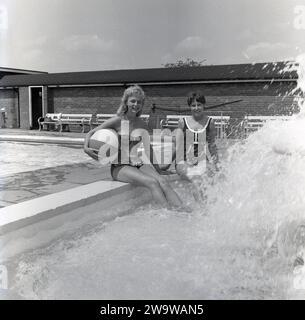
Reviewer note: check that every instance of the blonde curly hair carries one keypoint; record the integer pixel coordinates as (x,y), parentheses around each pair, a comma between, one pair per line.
(134,90)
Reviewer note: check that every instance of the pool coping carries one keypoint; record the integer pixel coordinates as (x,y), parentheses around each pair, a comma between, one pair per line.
(42,139)
(18,215)
(25,228)
(22,214)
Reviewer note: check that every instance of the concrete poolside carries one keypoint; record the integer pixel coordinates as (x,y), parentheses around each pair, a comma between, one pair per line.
(40,181)
(20,135)
(18,132)
(30,170)
(33,164)
(28,185)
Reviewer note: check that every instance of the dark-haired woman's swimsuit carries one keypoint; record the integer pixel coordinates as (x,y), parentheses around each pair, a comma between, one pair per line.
(195,139)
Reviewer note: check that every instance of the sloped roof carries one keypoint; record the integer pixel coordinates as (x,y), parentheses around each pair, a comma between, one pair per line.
(259,71)
(12,71)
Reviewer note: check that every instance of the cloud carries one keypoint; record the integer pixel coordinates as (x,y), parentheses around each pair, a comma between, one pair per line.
(268,51)
(191,43)
(87,43)
(193,47)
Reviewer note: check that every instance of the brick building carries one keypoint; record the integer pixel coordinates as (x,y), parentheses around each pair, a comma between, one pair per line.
(263,88)
(9,98)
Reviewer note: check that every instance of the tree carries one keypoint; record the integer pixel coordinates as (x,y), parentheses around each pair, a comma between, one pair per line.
(184,63)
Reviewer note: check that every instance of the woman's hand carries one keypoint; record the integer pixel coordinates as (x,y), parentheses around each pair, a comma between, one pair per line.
(91,152)
(192,162)
(136,163)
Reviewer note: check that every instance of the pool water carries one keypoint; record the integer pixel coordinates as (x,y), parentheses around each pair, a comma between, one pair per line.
(148,255)
(16,157)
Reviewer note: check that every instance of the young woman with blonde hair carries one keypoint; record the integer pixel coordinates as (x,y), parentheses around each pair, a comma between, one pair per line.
(141,173)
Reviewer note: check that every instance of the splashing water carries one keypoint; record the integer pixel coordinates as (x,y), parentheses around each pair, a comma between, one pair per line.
(247,240)
(263,195)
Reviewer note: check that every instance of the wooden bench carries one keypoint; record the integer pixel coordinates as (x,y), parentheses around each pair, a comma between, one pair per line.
(62,120)
(75,119)
(253,123)
(221,124)
(170,122)
(145,117)
(100,118)
(50,119)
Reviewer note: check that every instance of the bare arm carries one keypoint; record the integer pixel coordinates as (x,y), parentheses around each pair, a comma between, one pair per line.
(179,150)
(141,133)
(211,138)
(112,123)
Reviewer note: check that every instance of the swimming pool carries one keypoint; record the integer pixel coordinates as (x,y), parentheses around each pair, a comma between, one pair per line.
(240,244)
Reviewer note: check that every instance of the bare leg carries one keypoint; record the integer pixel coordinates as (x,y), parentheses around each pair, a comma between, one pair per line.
(135,176)
(182,171)
(170,194)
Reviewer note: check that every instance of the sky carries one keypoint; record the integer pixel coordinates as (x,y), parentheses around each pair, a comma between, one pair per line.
(74,35)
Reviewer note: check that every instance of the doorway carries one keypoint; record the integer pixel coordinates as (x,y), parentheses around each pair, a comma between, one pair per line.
(36,106)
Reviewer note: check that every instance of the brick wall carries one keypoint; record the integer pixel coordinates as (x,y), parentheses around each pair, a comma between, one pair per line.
(45,98)
(24,107)
(85,99)
(9,101)
(258,98)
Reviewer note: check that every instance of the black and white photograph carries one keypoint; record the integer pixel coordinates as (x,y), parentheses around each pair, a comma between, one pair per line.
(152,150)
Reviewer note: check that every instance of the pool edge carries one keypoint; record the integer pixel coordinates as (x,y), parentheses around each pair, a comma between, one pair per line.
(39,230)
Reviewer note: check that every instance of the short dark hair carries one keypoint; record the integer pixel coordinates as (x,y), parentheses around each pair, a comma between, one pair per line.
(198,96)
